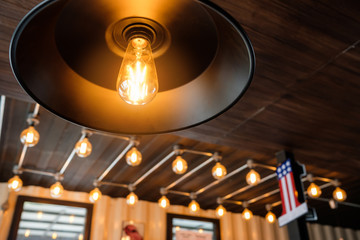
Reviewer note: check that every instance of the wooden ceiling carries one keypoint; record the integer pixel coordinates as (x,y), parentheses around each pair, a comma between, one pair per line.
(304,98)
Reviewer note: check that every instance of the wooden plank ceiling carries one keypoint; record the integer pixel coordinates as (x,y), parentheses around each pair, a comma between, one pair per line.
(305,98)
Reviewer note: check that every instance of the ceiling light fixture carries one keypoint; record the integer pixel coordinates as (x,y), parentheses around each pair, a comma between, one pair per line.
(220,211)
(133,157)
(131,199)
(339,194)
(95,195)
(247,214)
(15,183)
(83,147)
(179,165)
(253,177)
(82,64)
(313,190)
(56,190)
(270,217)
(164,202)
(218,171)
(30,137)
(194,206)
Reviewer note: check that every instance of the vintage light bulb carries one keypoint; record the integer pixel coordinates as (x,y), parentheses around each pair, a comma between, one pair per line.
(179,165)
(83,148)
(247,214)
(253,177)
(270,217)
(131,199)
(314,190)
(133,157)
(164,202)
(194,206)
(218,171)
(15,183)
(339,194)
(95,195)
(220,211)
(137,82)
(29,137)
(56,190)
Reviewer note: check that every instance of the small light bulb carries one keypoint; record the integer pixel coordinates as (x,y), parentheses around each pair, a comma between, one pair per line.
(220,211)
(56,190)
(179,165)
(218,171)
(201,230)
(137,82)
(253,177)
(54,235)
(194,206)
(131,199)
(270,217)
(314,190)
(81,237)
(39,215)
(247,214)
(83,148)
(29,137)
(133,157)
(177,228)
(164,202)
(15,183)
(95,195)
(71,218)
(339,194)
(27,233)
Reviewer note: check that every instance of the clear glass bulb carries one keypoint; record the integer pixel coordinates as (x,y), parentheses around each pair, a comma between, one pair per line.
(253,177)
(83,148)
(218,171)
(137,82)
(95,195)
(220,211)
(179,165)
(133,157)
(339,194)
(131,199)
(15,183)
(194,206)
(164,202)
(270,217)
(247,214)
(314,190)
(29,137)
(56,190)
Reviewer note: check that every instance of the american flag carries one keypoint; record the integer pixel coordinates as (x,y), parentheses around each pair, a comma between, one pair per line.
(292,209)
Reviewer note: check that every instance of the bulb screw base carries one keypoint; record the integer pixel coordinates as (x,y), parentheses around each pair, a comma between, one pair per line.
(131,187)
(59,177)
(250,163)
(163,191)
(193,196)
(245,204)
(219,201)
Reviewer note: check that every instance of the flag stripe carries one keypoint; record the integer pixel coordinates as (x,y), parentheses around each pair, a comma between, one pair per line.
(291,191)
(282,198)
(286,198)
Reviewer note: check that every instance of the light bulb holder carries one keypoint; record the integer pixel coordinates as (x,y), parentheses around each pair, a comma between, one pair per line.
(336,183)
(193,196)
(250,163)
(163,191)
(310,177)
(219,200)
(177,150)
(134,141)
(31,120)
(245,204)
(217,157)
(131,187)
(88,133)
(268,207)
(59,177)
(16,170)
(96,183)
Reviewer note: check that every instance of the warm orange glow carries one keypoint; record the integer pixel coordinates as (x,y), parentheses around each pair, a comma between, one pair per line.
(179,165)
(218,171)
(194,206)
(220,211)
(131,199)
(252,178)
(95,195)
(164,202)
(339,194)
(133,157)
(39,215)
(15,183)
(83,148)
(137,81)
(56,190)
(314,190)
(247,214)
(29,137)
(54,235)
(27,233)
(270,217)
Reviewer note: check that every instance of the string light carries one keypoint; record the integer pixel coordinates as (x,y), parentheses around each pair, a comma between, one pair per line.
(219,171)
(247,214)
(270,217)
(220,211)
(314,190)
(194,206)
(83,148)
(29,137)
(339,194)
(56,190)
(164,202)
(15,183)
(95,195)
(253,177)
(179,165)
(131,199)
(133,157)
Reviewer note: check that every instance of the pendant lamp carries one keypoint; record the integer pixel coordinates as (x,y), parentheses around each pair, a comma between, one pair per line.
(87,61)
